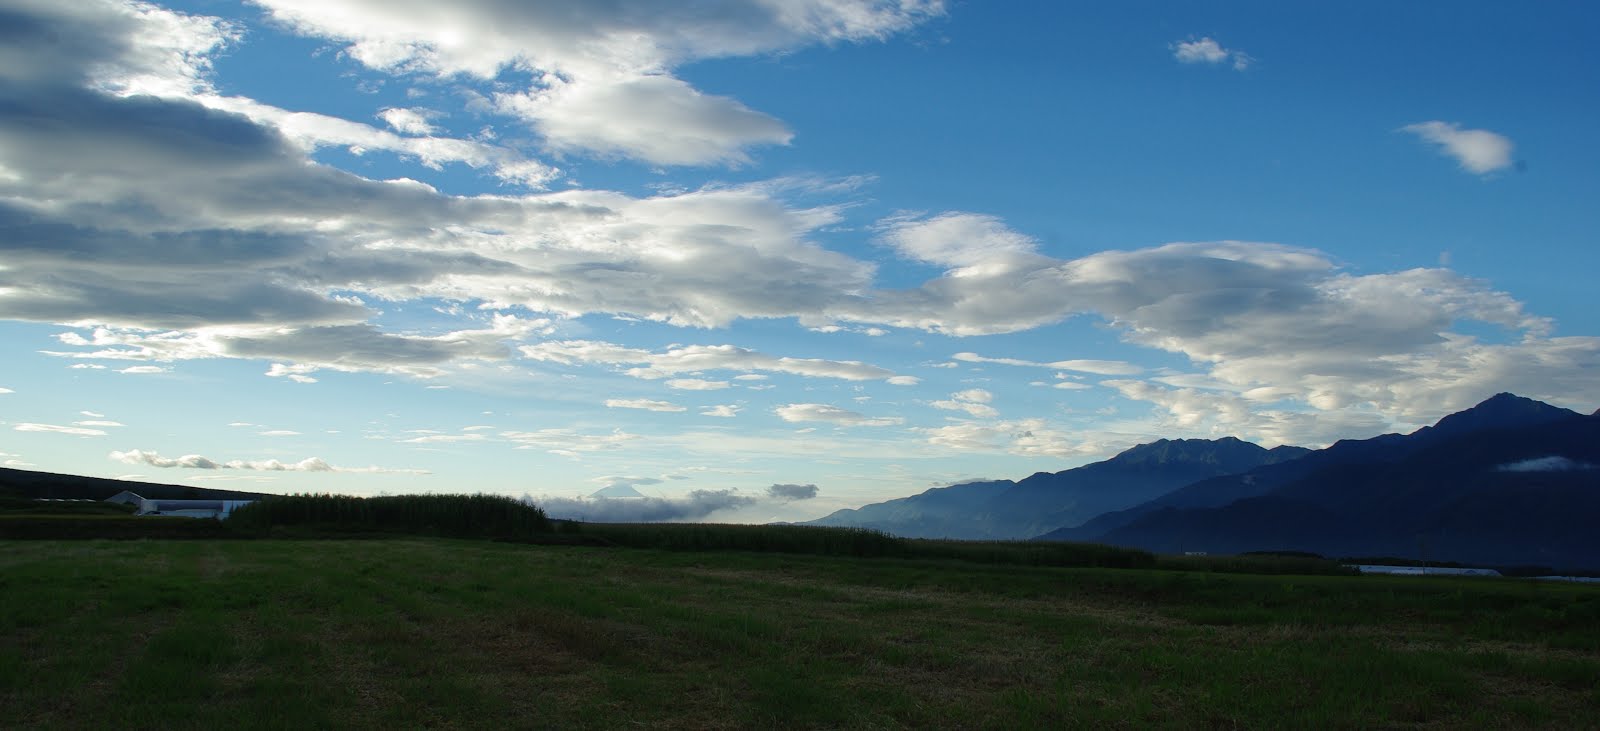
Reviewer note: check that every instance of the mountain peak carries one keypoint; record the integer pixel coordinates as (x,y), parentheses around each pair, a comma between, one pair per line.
(1167,451)
(617,491)
(1500,411)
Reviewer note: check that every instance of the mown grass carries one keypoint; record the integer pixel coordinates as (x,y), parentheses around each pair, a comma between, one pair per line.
(472,634)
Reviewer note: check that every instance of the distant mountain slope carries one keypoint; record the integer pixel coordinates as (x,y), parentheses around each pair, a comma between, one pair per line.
(1487,486)
(1502,411)
(1003,509)
(30,484)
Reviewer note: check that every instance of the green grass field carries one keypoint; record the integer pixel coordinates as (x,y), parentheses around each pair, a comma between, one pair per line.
(412,633)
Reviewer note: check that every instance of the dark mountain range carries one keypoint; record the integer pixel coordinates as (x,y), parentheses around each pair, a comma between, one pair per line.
(1502,411)
(1510,481)
(1003,509)
(30,484)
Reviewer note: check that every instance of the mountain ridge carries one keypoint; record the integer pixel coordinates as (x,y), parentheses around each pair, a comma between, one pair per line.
(1005,509)
(1510,481)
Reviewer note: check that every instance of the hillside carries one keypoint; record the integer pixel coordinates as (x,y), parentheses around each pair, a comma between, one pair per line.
(30,484)
(1003,509)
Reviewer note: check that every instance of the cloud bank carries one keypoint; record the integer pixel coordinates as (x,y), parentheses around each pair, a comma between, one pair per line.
(197,462)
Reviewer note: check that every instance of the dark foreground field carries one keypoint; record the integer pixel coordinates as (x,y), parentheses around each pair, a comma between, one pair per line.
(460,634)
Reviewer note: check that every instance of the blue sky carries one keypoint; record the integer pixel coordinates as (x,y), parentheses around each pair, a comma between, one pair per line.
(710,251)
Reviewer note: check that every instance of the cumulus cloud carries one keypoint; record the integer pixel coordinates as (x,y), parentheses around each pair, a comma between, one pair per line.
(1208,51)
(162,224)
(197,462)
(955,239)
(600,75)
(1475,150)
(658,119)
(54,429)
(644,404)
(832,415)
(697,505)
(409,121)
(724,411)
(789,492)
(1555,463)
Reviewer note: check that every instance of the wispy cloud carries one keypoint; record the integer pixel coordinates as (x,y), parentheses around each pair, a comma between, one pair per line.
(832,415)
(1099,367)
(197,462)
(643,404)
(54,429)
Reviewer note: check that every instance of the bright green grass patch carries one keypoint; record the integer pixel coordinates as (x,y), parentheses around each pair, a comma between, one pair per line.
(469,634)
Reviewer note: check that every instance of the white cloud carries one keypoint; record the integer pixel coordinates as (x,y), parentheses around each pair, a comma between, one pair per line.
(973,401)
(697,384)
(658,119)
(144,370)
(569,442)
(278,433)
(6,390)
(725,411)
(831,415)
(1476,150)
(412,121)
(197,462)
(447,438)
(956,240)
(1099,367)
(98,423)
(1208,51)
(601,77)
(903,380)
(1547,464)
(53,429)
(693,358)
(1025,437)
(644,404)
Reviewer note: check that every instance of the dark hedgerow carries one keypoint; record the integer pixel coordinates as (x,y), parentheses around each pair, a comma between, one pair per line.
(859,542)
(492,516)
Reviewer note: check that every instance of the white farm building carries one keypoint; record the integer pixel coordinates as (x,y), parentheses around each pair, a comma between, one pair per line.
(217,509)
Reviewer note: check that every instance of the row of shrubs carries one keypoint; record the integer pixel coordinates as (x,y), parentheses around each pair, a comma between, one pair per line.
(489,516)
(858,542)
(506,518)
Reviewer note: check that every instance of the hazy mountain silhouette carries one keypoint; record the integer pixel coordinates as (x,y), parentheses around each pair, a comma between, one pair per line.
(1510,481)
(1502,411)
(1003,509)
